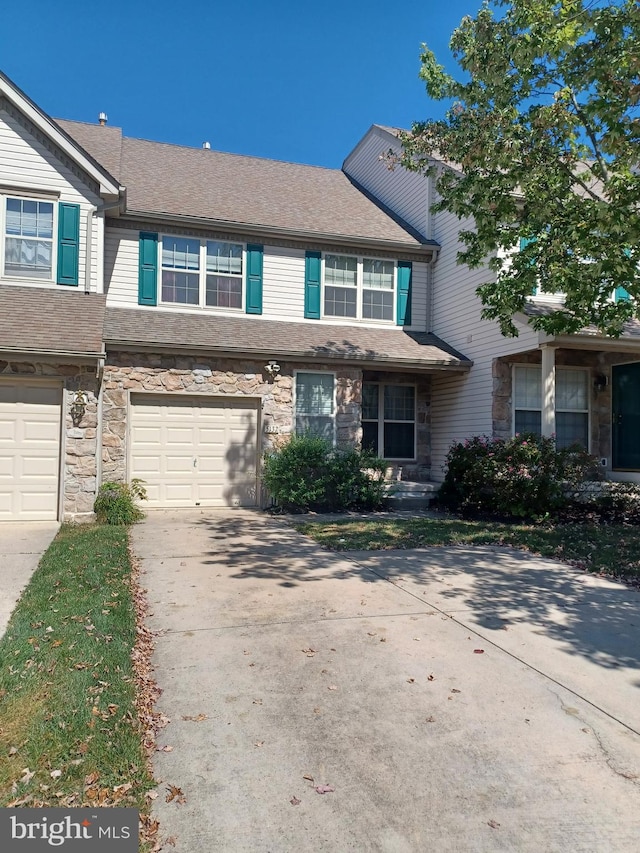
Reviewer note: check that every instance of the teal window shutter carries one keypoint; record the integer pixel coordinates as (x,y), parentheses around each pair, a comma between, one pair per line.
(621,295)
(148,269)
(403,301)
(312,265)
(524,242)
(254,279)
(68,243)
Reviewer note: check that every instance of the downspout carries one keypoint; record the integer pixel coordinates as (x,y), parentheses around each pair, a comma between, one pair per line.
(94,211)
(99,375)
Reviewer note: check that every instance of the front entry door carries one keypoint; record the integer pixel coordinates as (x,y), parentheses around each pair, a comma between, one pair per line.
(626,416)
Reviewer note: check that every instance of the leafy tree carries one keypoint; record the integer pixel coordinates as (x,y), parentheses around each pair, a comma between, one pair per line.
(544,130)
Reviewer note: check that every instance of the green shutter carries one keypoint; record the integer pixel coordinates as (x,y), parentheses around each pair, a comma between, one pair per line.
(403,302)
(68,243)
(621,295)
(148,269)
(254,279)
(312,285)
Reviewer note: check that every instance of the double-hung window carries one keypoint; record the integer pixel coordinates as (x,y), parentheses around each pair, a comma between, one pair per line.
(572,404)
(315,404)
(359,288)
(202,272)
(389,420)
(28,238)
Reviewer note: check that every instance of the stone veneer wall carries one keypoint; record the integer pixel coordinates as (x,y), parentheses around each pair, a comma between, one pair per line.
(79,441)
(600,363)
(144,372)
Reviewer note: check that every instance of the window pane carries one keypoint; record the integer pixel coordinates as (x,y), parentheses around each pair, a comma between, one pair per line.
(572,428)
(28,258)
(370,437)
(399,441)
(370,397)
(528,388)
(180,253)
(322,427)
(340,270)
(224,292)
(528,422)
(377,305)
(572,389)
(399,403)
(224,257)
(180,287)
(29,218)
(340,302)
(314,394)
(377,275)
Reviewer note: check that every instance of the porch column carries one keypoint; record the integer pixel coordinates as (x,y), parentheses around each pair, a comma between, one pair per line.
(548,391)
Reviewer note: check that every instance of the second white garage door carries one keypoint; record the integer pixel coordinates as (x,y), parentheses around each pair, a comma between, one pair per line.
(195,451)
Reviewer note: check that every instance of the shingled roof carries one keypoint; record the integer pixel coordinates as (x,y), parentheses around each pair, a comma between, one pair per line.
(253,336)
(51,321)
(233,189)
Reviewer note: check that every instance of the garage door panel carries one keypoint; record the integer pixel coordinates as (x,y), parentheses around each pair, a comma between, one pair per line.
(191,449)
(29,450)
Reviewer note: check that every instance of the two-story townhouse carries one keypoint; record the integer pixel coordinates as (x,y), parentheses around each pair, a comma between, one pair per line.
(243,300)
(582,387)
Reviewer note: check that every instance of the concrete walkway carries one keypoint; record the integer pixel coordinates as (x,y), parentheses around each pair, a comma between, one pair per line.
(22,544)
(449,696)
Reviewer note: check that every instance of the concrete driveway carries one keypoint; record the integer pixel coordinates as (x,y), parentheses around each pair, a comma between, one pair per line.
(21,546)
(455,699)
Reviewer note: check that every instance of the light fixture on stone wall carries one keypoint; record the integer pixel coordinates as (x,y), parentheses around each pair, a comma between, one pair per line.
(78,407)
(600,382)
(272,368)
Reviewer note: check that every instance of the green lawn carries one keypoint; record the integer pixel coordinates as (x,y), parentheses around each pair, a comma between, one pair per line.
(613,549)
(69,728)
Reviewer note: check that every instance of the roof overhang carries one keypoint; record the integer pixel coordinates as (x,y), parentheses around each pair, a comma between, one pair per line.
(109,187)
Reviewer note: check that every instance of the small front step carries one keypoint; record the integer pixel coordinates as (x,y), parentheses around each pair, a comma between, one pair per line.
(408,495)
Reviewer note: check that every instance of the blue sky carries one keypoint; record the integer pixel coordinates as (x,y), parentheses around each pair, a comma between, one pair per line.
(295,81)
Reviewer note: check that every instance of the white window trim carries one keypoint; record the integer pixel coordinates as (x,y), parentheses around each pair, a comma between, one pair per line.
(31,195)
(586,411)
(381,420)
(335,399)
(202,274)
(360,289)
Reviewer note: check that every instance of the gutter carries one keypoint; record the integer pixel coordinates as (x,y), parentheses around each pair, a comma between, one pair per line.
(64,354)
(286,233)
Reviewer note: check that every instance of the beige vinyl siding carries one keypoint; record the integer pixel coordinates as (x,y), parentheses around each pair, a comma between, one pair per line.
(27,164)
(121,265)
(283,283)
(404,192)
(462,405)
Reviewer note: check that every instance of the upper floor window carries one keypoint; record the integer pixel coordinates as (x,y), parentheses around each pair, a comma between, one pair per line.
(28,238)
(359,288)
(202,272)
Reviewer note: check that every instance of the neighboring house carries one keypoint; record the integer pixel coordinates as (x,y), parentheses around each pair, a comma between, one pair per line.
(171,313)
(582,387)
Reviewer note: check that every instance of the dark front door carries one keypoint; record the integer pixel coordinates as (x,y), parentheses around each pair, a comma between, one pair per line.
(626,416)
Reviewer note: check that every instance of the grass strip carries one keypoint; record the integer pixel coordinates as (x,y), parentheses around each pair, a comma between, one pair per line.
(70,731)
(612,550)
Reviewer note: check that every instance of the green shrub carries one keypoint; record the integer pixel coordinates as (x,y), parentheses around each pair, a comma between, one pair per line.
(308,474)
(116,502)
(522,477)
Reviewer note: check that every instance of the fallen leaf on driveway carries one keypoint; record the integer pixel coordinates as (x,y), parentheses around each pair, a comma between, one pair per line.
(175,793)
(164,749)
(257,701)
(411,680)
(308,777)
(295,801)
(371,633)
(383,639)
(430,720)
(332,687)
(324,789)
(493,824)
(197,719)
(171,839)
(259,743)
(309,652)
(431,677)
(453,690)
(478,651)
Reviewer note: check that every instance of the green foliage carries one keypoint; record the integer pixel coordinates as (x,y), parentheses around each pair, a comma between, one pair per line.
(116,502)
(544,128)
(522,477)
(308,474)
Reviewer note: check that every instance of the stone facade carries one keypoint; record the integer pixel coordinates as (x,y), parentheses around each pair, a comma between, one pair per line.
(79,440)
(599,364)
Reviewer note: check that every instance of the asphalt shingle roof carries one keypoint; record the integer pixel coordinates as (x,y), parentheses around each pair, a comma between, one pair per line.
(41,319)
(230,188)
(278,339)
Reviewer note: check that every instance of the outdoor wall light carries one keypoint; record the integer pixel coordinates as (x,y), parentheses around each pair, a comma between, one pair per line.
(600,382)
(272,368)
(78,407)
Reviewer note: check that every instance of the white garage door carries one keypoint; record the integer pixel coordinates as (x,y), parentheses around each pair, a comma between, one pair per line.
(195,451)
(29,451)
